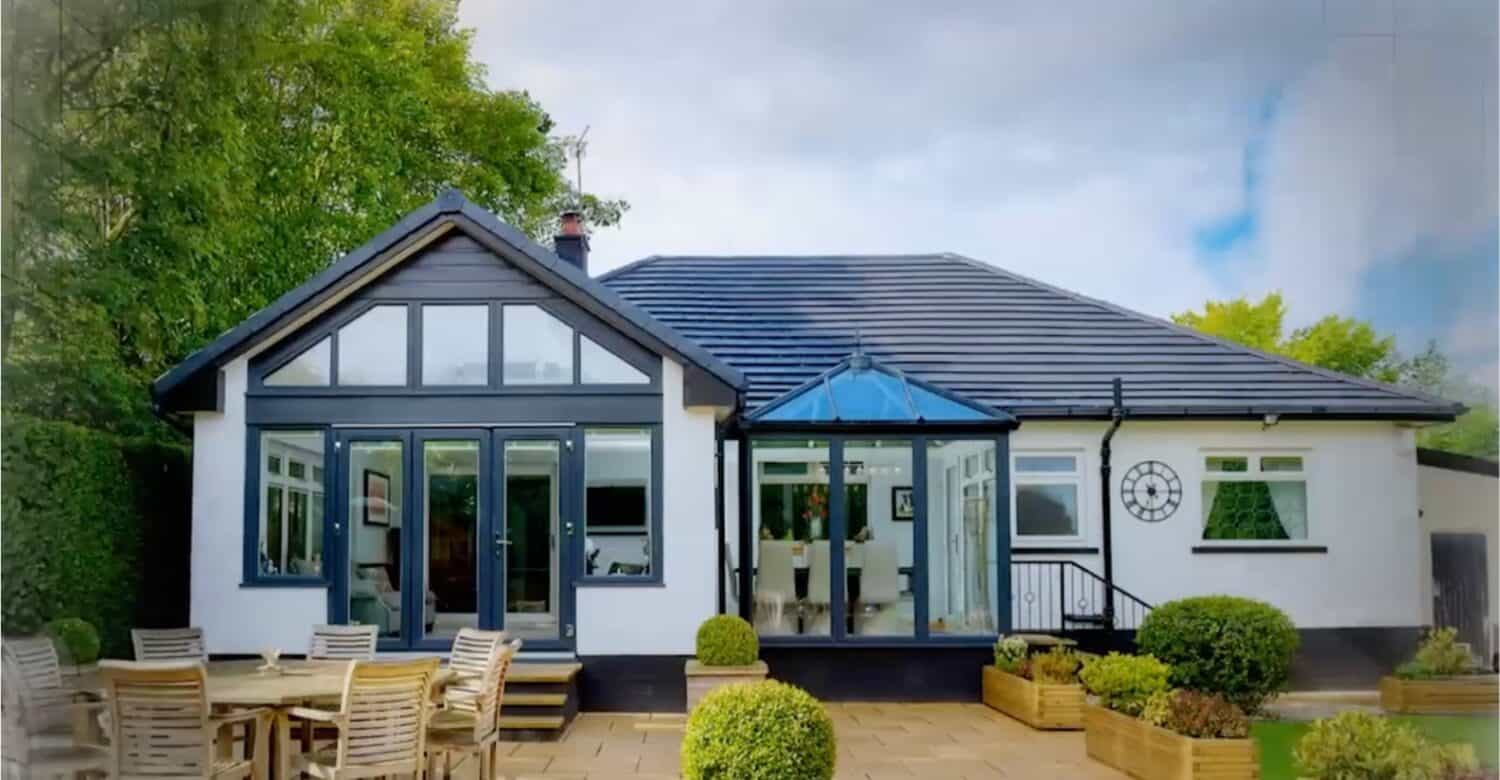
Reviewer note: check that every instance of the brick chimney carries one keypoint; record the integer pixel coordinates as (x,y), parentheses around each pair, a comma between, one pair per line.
(571,243)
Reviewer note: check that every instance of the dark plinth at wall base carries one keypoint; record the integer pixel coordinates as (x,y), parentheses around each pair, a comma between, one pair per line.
(847,673)
(1332,659)
(632,683)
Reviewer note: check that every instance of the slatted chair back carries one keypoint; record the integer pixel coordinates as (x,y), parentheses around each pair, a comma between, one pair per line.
(471,651)
(39,677)
(15,735)
(169,644)
(385,709)
(508,653)
(159,716)
(343,643)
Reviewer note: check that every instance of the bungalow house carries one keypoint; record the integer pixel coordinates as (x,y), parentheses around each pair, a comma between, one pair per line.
(882,461)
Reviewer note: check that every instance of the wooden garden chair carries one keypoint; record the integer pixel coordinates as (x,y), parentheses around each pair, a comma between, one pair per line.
(343,643)
(163,725)
(56,710)
(28,750)
(381,722)
(469,722)
(169,644)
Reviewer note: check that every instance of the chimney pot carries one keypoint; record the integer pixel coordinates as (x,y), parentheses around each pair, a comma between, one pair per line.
(571,243)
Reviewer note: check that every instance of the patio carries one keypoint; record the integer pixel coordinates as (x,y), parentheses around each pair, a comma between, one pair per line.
(875,740)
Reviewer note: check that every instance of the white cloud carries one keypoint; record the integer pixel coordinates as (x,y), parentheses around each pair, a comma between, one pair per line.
(1082,142)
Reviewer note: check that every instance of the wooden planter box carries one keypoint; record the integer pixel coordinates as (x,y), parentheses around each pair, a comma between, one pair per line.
(1152,753)
(1038,706)
(702,679)
(1442,695)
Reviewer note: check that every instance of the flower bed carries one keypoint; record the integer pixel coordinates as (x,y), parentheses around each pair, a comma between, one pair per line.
(1149,752)
(1038,705)
(1471,693)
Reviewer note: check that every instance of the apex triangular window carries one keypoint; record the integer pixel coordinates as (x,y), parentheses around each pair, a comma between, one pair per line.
(311,368)
(861,390)
(599,366)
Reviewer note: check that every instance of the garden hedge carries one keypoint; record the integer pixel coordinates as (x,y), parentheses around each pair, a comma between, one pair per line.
(92,526)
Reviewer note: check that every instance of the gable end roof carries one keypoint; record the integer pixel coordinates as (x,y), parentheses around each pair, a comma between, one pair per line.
(195,385)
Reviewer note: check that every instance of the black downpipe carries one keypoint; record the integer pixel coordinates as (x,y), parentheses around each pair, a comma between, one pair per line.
(719,513)
(1116,416)
(746,573)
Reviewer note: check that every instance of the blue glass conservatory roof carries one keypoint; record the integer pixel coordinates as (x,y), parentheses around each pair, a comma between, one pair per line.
(861,390)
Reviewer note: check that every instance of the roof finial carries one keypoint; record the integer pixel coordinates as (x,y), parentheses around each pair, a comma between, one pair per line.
(859,361)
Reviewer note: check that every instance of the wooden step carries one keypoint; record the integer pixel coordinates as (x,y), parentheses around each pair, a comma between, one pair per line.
(534,699)
(531,722)
(523,672)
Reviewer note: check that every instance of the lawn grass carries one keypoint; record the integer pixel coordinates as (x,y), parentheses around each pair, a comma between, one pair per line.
(1278,737)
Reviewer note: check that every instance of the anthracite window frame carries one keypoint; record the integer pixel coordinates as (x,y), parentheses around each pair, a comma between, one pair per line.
(329,325)
(655,577)
(919,436)
(251,576)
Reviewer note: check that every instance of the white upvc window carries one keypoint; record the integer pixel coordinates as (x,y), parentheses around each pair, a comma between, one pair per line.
(1048,498)
(1252,496)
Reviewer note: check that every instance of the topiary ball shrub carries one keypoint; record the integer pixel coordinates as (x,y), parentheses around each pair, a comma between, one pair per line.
(76,639)
(1124,683)
(1369,747)
(727,640)
(1238,648)
(753,731)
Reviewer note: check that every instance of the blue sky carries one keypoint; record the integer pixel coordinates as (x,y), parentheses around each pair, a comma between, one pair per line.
(1156,154)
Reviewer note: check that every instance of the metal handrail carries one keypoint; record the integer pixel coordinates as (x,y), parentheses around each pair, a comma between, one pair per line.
(1061,595)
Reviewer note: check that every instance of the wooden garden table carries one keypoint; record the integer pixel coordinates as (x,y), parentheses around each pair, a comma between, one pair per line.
(238,684)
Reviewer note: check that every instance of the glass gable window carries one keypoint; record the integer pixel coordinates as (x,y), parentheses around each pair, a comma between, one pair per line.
(599,366)
(455,345)
(372,348)
(538,347)
(291,504)
(617,502)
(1046,496)
(1254,497)
(311,368)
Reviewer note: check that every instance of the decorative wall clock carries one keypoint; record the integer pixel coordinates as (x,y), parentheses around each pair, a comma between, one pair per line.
(1151,491)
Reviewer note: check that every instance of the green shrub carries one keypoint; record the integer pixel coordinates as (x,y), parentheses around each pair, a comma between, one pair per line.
(79,510)
(76,639)
(1010,654)
(1361,746)
(1196,715)
(1439,655)
(1238,648)
(1124,682)
(727,640)
(764,730)
(1059,666)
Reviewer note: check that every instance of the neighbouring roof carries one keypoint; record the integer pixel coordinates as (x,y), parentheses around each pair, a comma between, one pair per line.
(984,333)
(182,387)
(1453,461)
(862,390)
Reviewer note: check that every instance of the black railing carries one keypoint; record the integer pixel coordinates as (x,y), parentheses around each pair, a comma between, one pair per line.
(1056,596)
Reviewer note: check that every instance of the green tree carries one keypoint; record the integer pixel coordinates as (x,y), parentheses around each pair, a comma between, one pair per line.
(1351,346)
(184,163)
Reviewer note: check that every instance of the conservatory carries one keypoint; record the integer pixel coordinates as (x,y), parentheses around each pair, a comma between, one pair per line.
(869,513)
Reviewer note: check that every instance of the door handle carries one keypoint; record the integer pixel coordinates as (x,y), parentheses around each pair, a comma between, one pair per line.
(500,544)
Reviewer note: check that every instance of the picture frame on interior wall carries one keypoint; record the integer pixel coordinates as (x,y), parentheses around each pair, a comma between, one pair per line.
(903,508)
(377,491)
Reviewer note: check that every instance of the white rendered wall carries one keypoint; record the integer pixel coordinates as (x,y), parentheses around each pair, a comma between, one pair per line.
(236,619)
(663,620)
(1459,502)
(1362,505)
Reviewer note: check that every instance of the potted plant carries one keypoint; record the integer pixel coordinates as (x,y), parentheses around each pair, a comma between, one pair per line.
(1140,727)
(727,652)
(1041,691)
(1440,678)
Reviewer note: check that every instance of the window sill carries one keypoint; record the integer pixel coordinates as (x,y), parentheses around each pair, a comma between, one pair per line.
(619,582)
(1260,549)
(1059,549)
(285,582)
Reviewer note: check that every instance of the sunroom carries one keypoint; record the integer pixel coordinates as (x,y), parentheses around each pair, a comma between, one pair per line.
(873,511)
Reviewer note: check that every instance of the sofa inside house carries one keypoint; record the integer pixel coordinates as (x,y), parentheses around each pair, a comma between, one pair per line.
(373,600)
